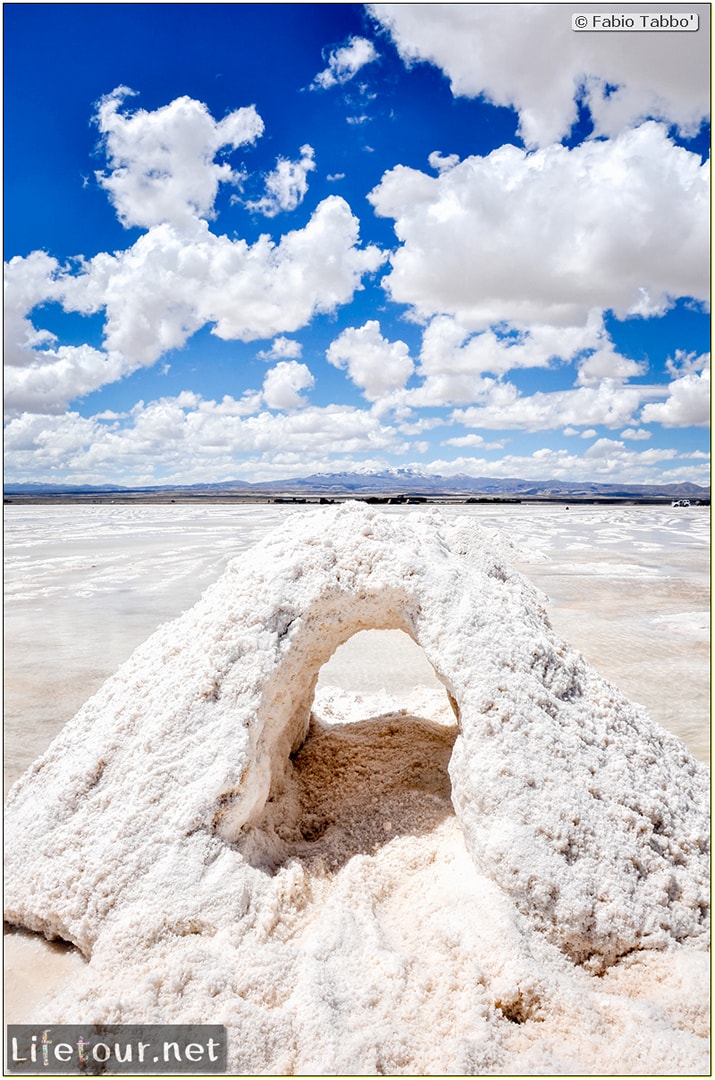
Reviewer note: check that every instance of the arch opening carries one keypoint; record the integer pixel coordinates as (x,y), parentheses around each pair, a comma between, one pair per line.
(373,660)
(375,667)
(373,765)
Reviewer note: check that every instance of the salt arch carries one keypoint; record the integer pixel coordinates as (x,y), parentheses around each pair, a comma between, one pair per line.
(589,816)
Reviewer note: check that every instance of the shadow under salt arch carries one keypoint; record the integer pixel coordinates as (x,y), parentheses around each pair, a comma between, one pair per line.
(351,788)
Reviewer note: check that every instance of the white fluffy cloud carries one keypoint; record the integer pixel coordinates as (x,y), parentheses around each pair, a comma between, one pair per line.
(36,446)
(287,185)
(166,285)
(283,383)
(508,260)
(447,346)
(376,365)
(607,363)
(441,163)
(29,281)
(178,276)
(457,367)
(282,348)
(526,56)
(473,442)
(607,461)
(688,401)
(344,63)
(38,371)
(612,452)
(169,284)
(161,163)
(636,434)
(53,377)
(187,438)
(611,404)
(549,235)
(686,363)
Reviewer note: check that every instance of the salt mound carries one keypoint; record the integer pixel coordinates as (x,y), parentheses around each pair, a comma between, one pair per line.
(169,816)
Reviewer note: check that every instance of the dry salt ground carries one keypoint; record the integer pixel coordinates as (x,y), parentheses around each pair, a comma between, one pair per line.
(315,890)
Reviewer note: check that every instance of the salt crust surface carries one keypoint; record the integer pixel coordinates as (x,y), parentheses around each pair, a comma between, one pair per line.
(329,906)
(125,582)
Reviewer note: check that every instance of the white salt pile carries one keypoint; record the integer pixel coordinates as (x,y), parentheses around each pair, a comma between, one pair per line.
(520,885)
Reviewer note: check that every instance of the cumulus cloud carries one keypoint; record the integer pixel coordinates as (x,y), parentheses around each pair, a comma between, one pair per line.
(688,400)
(109,414)
(54,377)
(609,462)
(179,275)
(173,281)
(187,438)
(526,56)
(376,365)
(161,164)
(509,261)
(29,281)
(549,235)
(39,373)
(613,451)
(42,444)
(607,363)
(344,63)
(441,162)
(458,366)
(611,404)
(282,348)
(473,442)
(245,291)
(287,185)
(686,363)
(283,383)
(449,346)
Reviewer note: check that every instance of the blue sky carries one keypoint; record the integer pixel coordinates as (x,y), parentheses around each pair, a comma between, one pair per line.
(256,241)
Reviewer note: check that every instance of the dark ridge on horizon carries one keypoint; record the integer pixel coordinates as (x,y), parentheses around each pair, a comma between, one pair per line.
(398,482)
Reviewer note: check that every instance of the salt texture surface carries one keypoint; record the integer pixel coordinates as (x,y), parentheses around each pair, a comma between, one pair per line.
(191,840)
(85,584)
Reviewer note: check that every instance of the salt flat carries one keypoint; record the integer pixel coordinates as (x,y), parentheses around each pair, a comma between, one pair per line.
(84,585)
(627,586)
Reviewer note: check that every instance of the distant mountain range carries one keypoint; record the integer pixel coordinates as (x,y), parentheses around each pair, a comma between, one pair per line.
(403,482)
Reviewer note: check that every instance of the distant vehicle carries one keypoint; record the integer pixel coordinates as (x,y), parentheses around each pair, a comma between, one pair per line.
(680,502)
